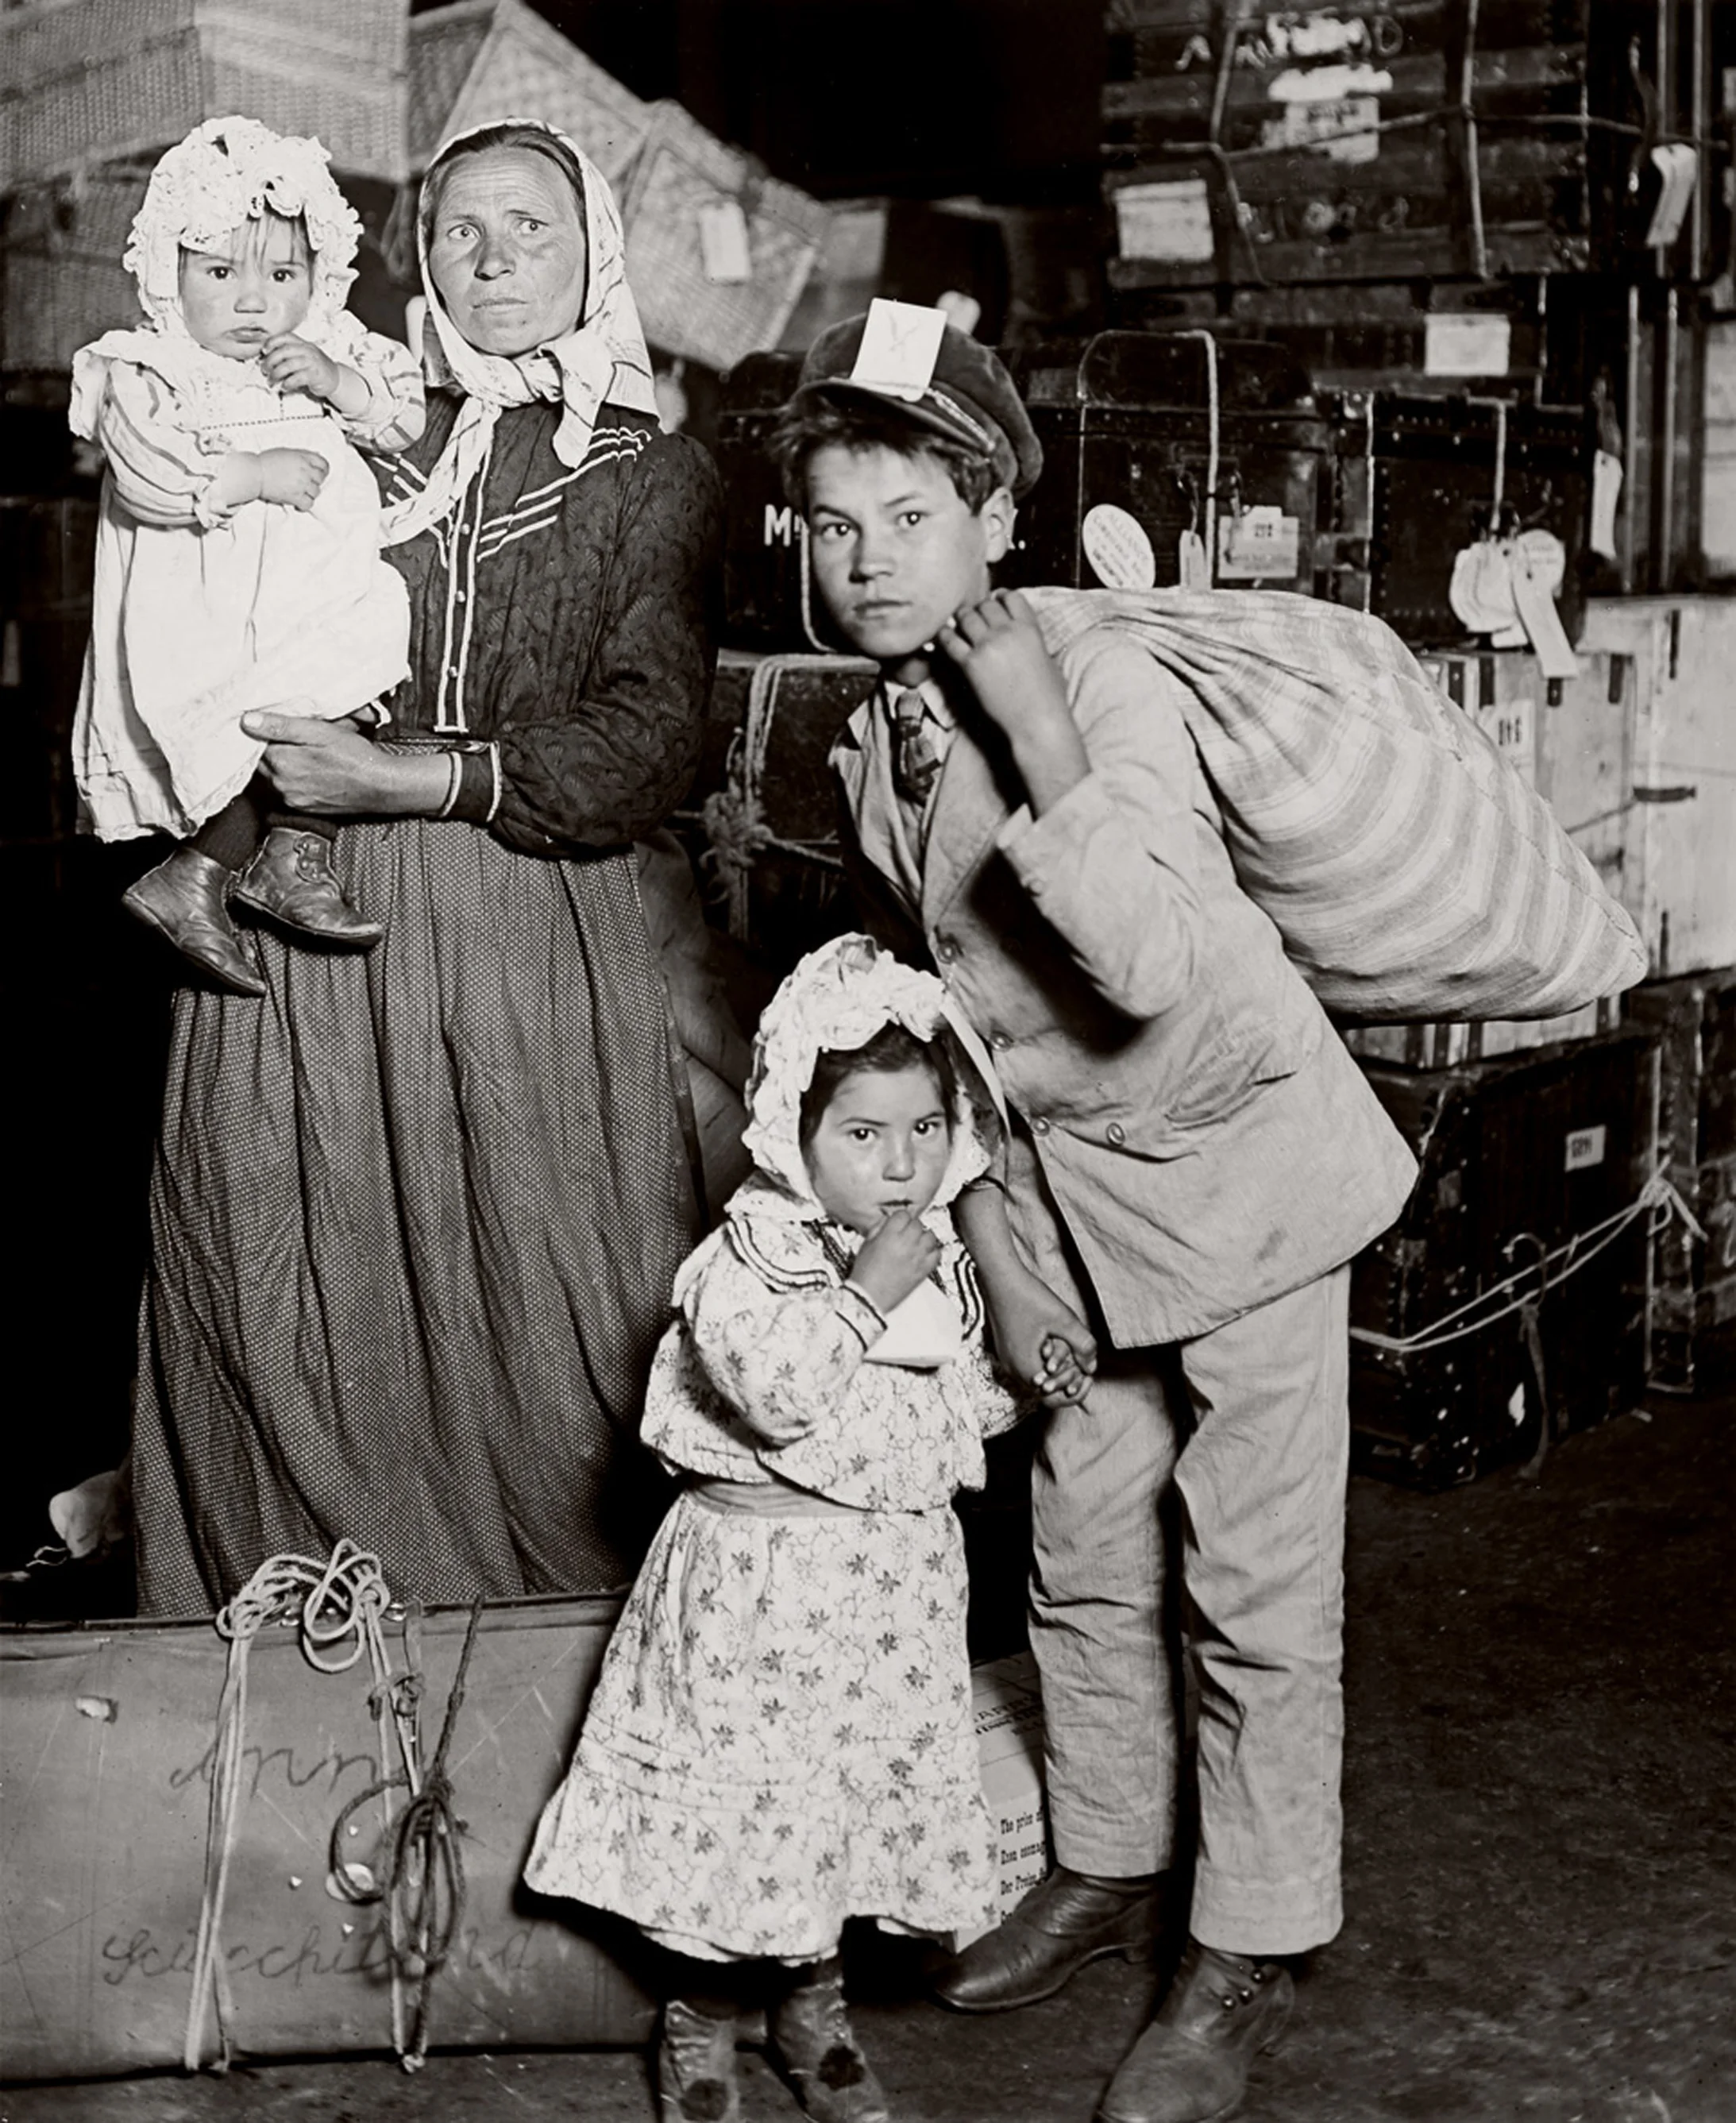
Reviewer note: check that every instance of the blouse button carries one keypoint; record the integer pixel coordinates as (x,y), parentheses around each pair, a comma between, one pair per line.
(1116,1133)
(1000,1040)
(1038,1126)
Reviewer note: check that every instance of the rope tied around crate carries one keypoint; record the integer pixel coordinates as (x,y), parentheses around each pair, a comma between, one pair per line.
(1657,1199)
(341,1606)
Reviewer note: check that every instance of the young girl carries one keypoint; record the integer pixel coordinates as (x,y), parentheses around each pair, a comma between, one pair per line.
(781,1735)
(238,550)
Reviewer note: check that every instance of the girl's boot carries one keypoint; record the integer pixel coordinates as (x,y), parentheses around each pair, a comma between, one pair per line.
(184,898)
(696,2067)
(819,2051)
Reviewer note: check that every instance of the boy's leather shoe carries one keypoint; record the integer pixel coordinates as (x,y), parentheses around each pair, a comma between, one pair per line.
(291,881)
(1191,2063)
(183,898)
(818,2047)
(1062,1922)
(696,2067)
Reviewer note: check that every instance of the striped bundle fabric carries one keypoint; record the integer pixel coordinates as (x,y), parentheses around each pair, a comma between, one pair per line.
(1412,870)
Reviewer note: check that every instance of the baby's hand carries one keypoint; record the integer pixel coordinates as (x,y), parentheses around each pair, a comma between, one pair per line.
(896,1260)
(293,477)
(294,364)
(1063,1377)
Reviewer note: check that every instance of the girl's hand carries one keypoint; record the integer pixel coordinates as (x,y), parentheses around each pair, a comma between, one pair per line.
(293,477)
(1064,1379)
(295,364)
(332,769)
(999,648)
(896,1260)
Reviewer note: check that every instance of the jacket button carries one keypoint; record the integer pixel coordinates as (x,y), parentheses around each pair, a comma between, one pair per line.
(1116,1133)
(999,1039)
(1038,1126)
(946,950)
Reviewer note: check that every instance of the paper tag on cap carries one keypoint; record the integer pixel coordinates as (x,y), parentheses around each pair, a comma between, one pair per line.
(900,343)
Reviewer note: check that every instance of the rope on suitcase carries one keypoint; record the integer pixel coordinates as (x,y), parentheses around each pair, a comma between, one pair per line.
(1657,1199)
(341,1605)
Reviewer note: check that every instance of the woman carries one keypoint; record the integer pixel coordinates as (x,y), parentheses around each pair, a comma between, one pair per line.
(416,1215)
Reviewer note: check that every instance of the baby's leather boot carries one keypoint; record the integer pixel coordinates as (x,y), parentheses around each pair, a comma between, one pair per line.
(183,899)
(291,881)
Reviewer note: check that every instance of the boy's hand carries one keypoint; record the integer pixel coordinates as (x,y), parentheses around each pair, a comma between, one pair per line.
(295,364)
(293,477)
(1000,648)
(896,1260)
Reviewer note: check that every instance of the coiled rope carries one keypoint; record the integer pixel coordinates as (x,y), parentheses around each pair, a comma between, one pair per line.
(340,1607)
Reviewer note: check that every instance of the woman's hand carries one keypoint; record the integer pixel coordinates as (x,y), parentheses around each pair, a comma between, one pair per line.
(999,648)
(894,1259)
(332,770)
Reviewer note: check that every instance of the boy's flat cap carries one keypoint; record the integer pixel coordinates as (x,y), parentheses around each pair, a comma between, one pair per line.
(969,398)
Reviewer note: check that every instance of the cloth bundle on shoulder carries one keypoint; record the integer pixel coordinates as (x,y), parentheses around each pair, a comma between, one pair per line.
(1410,869)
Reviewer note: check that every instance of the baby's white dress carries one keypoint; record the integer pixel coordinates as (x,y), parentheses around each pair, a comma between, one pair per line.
(199,615)
(781,1734)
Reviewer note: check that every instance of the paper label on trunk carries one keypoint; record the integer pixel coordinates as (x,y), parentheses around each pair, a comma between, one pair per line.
(1170,221)
(1466,343)
(1538,562)
(1342,129)
(1259,545)
(1118,548)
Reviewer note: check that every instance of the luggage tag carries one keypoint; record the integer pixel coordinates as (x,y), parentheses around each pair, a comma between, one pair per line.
(922,1332)
(726,256)
(900,343)
(1538,561)
(1606,490)
(1677,167)
(1194,568)
(1115,544)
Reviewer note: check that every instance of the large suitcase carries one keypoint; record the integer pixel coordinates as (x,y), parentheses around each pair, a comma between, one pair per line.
(1694,1273)
(1149,436)
(1509,1304)
(1417,478)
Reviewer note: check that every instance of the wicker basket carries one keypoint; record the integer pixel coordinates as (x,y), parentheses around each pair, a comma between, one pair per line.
(683,172)
(483,60)
(86,81)
(61,279)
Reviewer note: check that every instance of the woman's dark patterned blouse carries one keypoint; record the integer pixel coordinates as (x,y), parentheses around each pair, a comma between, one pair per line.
(562,624)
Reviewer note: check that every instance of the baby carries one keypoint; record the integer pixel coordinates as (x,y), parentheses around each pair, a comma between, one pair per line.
(238,561)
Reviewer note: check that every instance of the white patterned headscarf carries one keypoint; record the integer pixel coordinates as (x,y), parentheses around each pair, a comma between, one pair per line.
(837,998)
(603,359)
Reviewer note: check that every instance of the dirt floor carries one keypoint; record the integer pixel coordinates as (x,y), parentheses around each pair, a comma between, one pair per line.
(1541,1876)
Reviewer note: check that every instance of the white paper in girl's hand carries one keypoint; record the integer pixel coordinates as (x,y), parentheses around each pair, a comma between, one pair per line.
(923,1332)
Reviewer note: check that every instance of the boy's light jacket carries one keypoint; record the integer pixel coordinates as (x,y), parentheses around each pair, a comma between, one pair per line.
(1209,1140)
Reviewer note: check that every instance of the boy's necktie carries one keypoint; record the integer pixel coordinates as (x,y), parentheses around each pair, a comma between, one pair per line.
(916,764)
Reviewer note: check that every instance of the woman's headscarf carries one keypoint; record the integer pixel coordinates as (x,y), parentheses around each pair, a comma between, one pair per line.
(603,359)
(838,997)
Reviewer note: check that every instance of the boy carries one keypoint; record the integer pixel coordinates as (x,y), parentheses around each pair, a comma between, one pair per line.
(1194,1159)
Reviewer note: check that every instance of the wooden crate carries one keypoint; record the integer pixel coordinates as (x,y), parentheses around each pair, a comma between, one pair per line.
(86,81)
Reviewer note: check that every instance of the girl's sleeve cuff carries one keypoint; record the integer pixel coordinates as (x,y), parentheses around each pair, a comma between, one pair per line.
(858,1311)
